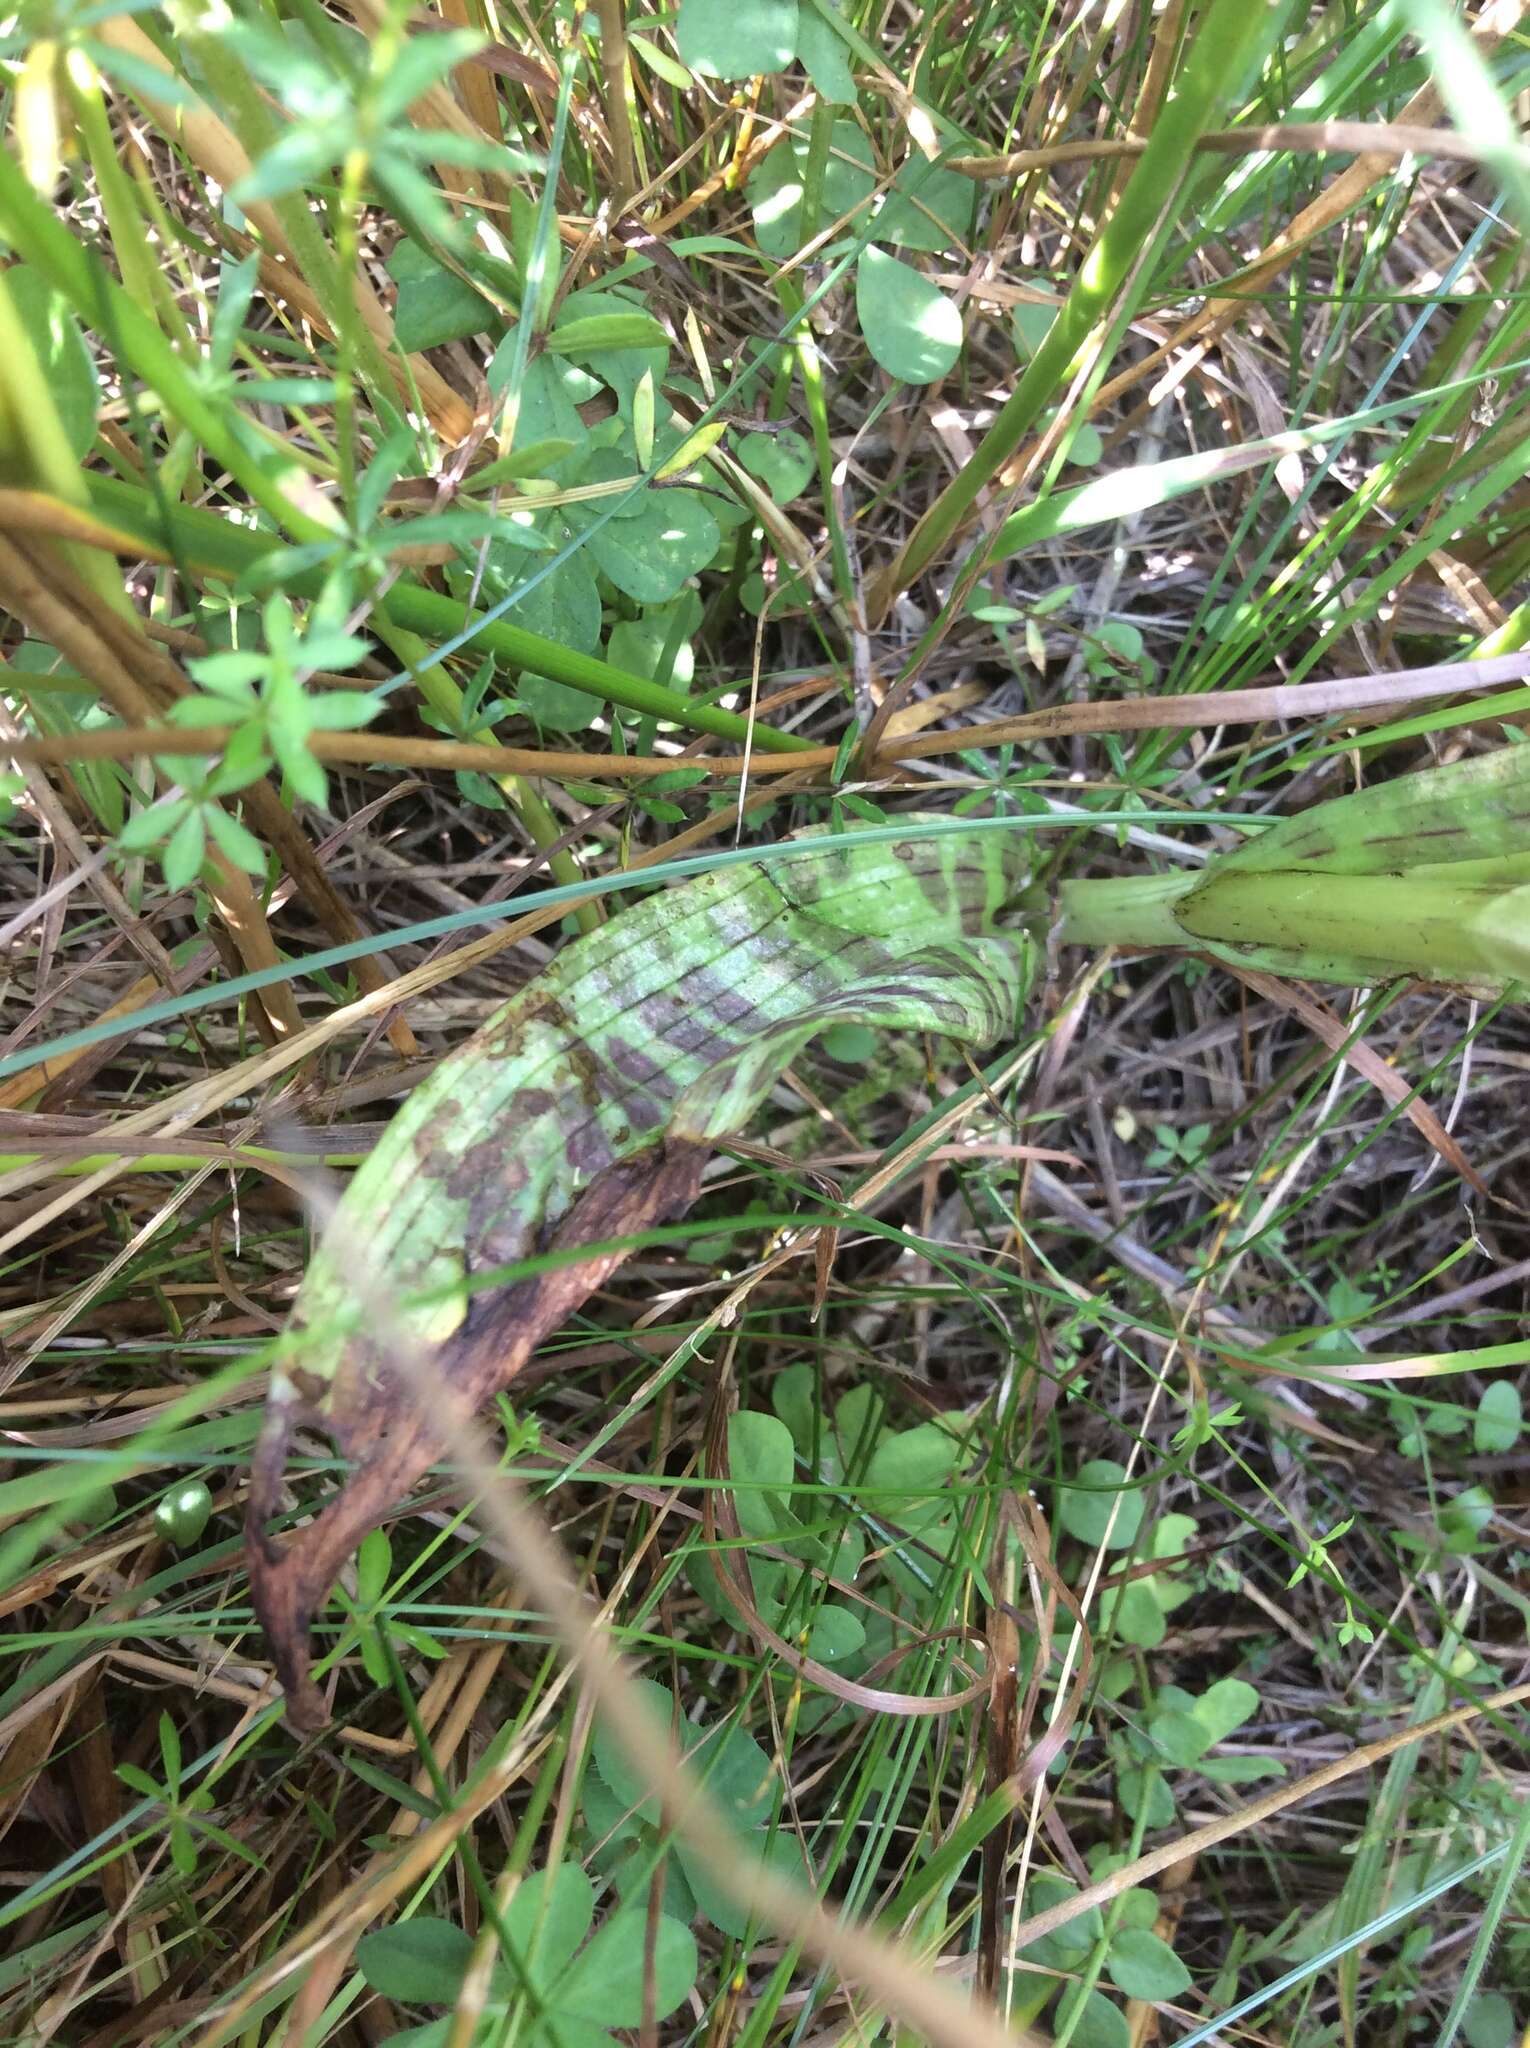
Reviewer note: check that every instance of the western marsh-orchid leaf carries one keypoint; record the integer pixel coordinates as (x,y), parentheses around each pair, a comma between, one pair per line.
(578,1117)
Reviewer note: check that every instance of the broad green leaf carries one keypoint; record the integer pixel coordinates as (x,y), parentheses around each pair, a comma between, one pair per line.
(619,363)
(1499,1417)
(546,1920)
(774,187)
(596,334)
(1093,2020)
(793,1395)
(915,1464)
(552,391)
(620,1775)
(434,305)
(928,208)
(1066,1947)
(1084,1507)
(736,38)
(1031,323)
(1240,1770)
(852,1043)
(822,54)
(606,1983)
(417,1962)
(66,363)
(836,1634)
(761,1461)
(736,1770)
(1172,1535)
(558,706)
(1490,2022)
(782,462)
(587,1105)
(1135,1613)
(912,329)
(1226,1706)
(1462,1519)
(1142,1966)
(721,1907)
(1143,1791)
(1123,640)
(671,537)
(639,645)
(857,1425)
(559,601)
(1182,1738)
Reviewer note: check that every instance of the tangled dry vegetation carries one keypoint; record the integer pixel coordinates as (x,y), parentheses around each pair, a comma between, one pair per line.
(1137,1461)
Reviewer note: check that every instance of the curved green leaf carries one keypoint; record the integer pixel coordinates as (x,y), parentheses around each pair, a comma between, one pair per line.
(736,38)
(911,327)
(579,1116)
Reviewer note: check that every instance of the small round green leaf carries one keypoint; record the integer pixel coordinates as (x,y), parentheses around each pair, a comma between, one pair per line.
(1181,1738)
(1225,1706)
(417,1962)
(619,1773)
(1031,323)
(782,462)
(911,327)
(434,304)
(823,56)
(554,704)
(927,208)
(651,555)
(1490,2022)
(1136,1615)
(607,1980)
(1099,2023)
(1499,1418)
(852,1043)
(1142,1966)
(547,1919)
(776,1852)
(836,1634)
(184,1513)
(561,604)
(1084,1507)
(1144,1795)
(736,38)
(774,188)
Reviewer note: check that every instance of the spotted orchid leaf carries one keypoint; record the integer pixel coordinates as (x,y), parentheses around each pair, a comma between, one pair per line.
(583,1112)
